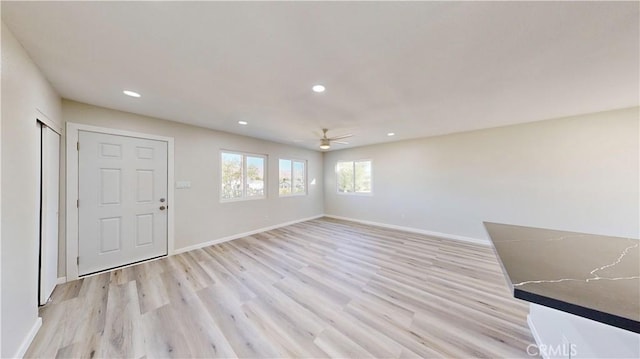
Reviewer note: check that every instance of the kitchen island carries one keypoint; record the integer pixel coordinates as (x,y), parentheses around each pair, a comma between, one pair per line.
(588,276)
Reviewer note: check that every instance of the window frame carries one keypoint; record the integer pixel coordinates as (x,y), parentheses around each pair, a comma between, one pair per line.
(265,159)
(306,177)
(353,165)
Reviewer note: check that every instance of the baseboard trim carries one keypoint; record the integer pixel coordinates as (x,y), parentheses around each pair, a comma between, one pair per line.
(61,280)
(240,235)
(455,237)
(22,350)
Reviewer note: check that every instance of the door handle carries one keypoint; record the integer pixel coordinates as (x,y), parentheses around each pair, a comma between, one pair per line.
(162,208)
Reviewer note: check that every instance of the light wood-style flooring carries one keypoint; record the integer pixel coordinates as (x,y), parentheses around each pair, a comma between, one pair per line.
(322,288)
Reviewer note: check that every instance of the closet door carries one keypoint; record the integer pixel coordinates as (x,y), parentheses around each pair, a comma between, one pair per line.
(49,201)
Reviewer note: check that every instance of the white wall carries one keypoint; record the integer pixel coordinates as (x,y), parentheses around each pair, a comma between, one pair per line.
(578,174)
(24,91)
(2,27)
(199,215)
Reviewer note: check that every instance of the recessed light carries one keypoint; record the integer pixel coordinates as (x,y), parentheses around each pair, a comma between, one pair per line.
(391,134)
(318,88)
(243,123)
(131,93)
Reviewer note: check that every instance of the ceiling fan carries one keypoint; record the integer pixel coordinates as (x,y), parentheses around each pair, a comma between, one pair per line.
(325,142)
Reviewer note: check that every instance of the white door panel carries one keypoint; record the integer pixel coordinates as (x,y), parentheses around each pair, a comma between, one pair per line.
(50,177)
(122,185)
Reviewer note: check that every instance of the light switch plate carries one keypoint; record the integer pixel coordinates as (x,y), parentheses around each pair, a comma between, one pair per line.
(183,184)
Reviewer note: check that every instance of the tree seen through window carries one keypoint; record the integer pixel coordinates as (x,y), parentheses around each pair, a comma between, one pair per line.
(242,176)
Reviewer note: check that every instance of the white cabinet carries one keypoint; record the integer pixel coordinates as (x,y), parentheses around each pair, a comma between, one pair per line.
(562,335)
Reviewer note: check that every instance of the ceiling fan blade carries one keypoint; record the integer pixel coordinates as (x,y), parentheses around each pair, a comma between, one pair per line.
(340,137)
(340,142)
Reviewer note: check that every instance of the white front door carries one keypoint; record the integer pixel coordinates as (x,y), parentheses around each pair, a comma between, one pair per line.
(122,209)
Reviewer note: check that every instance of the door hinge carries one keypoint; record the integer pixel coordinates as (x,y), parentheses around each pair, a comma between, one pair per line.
(78,260)
(78,145)
(77,203)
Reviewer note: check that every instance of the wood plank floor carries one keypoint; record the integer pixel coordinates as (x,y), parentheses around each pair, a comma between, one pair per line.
(322,288)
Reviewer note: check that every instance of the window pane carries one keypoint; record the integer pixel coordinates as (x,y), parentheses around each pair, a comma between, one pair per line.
(284,178)
(344,171)
(299,182)
(363,177)
(255,176)
(232,180)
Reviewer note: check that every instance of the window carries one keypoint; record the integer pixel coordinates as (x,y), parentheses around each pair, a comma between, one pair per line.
(354,176)
(292,179)
(242,176)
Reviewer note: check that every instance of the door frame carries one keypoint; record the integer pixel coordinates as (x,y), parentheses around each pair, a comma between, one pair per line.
(71,196)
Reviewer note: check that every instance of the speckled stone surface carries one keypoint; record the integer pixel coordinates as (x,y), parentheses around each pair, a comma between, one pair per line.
(594,276)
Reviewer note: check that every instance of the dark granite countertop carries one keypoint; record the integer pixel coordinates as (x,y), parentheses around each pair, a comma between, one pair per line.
(593,276)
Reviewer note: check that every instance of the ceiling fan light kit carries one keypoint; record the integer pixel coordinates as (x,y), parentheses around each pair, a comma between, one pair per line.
(325,142)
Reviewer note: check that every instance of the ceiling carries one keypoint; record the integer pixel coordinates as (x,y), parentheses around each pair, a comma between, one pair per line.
(413,68)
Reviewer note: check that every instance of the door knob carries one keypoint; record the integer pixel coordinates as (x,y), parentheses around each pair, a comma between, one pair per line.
(162,208)
(162,199)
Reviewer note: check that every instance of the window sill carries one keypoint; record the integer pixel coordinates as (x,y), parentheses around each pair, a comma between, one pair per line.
(357,194)
(292,195)
(233,200)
